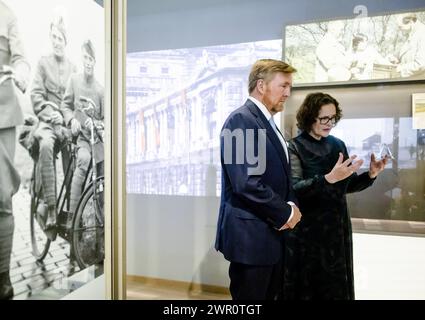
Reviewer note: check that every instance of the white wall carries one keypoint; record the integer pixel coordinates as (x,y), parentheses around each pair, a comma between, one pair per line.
(173,239)
(389,267)
(168,24)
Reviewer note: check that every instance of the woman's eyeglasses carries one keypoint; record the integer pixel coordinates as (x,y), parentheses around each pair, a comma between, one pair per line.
(325,120)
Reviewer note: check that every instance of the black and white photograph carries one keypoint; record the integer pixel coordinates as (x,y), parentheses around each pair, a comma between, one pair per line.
(51,146)
(387,47)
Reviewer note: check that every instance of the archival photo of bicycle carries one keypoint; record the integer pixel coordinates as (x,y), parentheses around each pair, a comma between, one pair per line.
(52,79)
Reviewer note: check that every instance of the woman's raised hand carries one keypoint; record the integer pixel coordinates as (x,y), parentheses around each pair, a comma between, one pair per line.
(343,170)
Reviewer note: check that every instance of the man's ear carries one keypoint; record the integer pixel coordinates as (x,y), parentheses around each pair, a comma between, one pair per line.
(260,85)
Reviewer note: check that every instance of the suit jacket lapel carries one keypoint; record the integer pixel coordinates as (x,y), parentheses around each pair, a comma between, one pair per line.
(264,124)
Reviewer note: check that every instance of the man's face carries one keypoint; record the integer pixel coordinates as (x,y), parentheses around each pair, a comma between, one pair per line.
(88,63)
(362,45)
(58,42)
(407,26)
(276,91)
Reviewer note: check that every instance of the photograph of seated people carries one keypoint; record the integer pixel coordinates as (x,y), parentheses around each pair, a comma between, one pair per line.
(410,60)
(319,253)
(364,56)
(257,201)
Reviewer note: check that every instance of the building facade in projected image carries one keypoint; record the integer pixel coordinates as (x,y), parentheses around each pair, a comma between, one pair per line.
(177,102)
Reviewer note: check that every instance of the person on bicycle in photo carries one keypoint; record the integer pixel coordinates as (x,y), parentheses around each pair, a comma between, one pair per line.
(48,88)
(14,71)
(83,107)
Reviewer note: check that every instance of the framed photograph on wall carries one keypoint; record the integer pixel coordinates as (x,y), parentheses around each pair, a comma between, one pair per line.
(383,48)
(418,111)
(52,80)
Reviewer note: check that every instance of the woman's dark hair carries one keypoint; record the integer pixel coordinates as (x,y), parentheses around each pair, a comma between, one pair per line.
(310,108)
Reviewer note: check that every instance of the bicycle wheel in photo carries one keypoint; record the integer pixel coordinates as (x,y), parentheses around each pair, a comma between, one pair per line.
(88,226)
(38,214)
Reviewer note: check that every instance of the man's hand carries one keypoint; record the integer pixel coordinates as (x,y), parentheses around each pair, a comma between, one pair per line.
(21,83)
(75,127)
(392,59)
(21,74)
(296,217)
(56,117)
(88,107)
(88,123)
(343,170)
(99,125)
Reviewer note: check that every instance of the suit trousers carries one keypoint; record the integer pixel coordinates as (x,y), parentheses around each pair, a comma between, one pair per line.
(249,282)
(47,137)
(83,163)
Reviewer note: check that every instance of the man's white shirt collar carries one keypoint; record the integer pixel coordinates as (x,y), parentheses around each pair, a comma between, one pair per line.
(268,116)
(262,107)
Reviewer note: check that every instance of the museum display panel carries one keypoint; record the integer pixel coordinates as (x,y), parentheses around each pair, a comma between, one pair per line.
(58,243)
(364,49)
(379,120)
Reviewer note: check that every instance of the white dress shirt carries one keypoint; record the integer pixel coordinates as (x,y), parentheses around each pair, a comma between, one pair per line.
(269,118)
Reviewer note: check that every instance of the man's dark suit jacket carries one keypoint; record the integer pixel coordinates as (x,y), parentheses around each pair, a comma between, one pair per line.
(253,207)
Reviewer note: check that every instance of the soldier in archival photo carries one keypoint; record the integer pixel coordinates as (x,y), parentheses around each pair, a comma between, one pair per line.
(83,107)
(410,61)
(333,61)
(48,88)
(14,73)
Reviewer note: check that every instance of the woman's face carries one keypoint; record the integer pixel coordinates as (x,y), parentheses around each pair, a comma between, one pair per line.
(324,122)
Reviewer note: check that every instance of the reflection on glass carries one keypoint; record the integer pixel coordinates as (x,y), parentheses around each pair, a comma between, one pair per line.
(385,151)
(399,191)
(366,136)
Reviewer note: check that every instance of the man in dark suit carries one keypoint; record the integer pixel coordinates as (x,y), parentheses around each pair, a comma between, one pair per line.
(11,58)
(257,201)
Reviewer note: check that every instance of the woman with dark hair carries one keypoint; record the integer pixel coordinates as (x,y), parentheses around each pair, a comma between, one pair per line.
(319,254)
